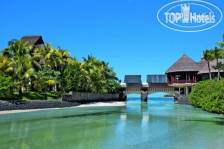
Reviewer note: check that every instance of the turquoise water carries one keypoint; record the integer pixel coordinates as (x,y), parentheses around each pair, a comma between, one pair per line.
(157,124)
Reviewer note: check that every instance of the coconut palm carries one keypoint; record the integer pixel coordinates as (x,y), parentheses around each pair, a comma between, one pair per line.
(65,57)
(46,79)
(208,56)
(19,54)
(52,58)
(5,67)
(43,54)
(93,74)
(99,76)
(221,44)
(218,54)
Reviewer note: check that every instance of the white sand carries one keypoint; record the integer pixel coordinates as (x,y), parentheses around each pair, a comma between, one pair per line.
(92,104)
(102,104)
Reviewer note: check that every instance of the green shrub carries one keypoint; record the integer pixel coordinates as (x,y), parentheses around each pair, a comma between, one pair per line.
(208,95)
(168,95)
(6,87)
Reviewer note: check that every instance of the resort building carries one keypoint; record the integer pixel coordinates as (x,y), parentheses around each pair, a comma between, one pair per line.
(133,80)
(35,40)
(185,72)
(203,74)
(132,83)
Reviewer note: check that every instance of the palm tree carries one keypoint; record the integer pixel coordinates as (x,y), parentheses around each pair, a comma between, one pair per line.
(218,54)
(5,67)
(66,60)
(221,44)
(208,56)
(19,54)
(99,76)
(52,58)
(65,57)
(42,54)
(112,82)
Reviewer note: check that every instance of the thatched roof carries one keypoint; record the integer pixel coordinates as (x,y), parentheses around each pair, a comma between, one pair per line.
(204,68)
(132,79)
(156,79)
(33,40)
(184,64)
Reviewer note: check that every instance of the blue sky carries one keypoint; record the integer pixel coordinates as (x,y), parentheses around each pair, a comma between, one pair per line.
(125,33)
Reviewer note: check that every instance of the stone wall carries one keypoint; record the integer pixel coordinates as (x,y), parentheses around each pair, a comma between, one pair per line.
(89,97)
(22,105)
(181,99)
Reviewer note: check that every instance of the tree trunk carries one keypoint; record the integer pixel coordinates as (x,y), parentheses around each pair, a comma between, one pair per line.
(20,91)
(55,87)
(210,75)
(29,80)
(218,70)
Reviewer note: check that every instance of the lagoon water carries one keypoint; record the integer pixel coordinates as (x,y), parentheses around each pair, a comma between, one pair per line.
(157,124)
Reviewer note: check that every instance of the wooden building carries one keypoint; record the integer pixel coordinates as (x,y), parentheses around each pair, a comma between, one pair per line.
(203,73)
(185,72)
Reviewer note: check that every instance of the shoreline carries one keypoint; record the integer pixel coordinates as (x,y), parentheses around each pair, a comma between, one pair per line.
(91,104)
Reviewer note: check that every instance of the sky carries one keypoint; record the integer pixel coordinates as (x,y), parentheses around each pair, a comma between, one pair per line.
(125,33)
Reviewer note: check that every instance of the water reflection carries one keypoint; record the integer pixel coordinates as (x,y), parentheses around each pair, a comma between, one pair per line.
(156,124)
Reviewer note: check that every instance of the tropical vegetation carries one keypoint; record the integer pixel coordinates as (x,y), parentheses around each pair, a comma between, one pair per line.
(168,95)
(6,87)
(26,69)
(215,54)
(209,94)
(208,56)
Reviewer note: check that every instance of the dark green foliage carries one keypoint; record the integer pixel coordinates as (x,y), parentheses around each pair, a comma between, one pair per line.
(47,79)
(208,95)
(6,87)
(72,78)
(33,70)
(91,75)
(168,95)
(41,95)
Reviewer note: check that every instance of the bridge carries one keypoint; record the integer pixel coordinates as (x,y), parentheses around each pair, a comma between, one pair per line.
(155,83)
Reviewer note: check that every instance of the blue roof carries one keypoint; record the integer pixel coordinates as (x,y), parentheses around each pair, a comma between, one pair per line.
(156,79)
(132,79)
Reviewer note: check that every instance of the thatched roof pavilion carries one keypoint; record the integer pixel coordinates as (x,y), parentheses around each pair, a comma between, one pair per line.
(33,39)
(184,70)
(184,64)
(204,68)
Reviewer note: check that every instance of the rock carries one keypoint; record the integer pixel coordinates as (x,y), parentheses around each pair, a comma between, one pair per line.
(16,105)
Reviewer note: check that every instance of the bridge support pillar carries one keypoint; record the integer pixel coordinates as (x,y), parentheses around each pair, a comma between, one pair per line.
(144,95)
(123,96)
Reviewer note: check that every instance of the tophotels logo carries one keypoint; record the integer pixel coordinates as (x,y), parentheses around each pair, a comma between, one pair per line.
(189,15)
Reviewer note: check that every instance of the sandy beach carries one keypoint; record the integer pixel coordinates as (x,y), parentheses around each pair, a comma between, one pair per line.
(91,104)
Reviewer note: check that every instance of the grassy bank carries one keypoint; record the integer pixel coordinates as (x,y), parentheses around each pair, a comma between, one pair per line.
(41,96)
(35,96)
